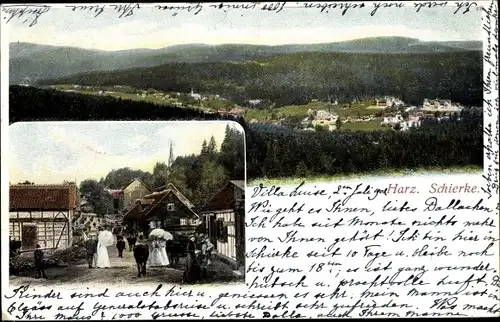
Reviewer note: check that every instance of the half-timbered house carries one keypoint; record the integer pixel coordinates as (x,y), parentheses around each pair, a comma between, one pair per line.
(224,220)
(42,214)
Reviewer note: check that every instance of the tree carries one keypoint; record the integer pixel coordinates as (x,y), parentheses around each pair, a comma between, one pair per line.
(232,154)
(160,175)
(397,126)
(96,195)
(213,176)
(212,146)
(204,148)
(118,178)
(177,177)
(338,124)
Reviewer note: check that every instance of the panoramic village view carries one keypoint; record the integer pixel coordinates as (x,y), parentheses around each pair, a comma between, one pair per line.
(318,114)
(180,222)
(380,94)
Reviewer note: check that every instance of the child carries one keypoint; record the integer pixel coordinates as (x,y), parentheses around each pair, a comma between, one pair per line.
(120,244)
(39,263)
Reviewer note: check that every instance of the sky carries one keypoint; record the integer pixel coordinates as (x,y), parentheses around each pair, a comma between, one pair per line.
(153,28)
(53,152)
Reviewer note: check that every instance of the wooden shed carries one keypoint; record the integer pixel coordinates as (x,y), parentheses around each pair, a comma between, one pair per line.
(224,219)
(42,214)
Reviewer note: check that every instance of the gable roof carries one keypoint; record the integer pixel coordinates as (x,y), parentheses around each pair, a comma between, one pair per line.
(43,197)
(140,181)
(168,188)
(136,210)
(239,183)
(160,196)
(221,201)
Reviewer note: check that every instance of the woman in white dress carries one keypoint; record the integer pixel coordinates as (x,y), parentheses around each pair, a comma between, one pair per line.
(155,256)
(102,258)
(163,250)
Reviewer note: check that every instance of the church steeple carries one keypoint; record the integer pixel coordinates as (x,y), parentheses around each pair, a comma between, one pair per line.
(171,156)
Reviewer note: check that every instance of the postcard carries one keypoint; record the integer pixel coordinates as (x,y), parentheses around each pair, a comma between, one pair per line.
(250,160)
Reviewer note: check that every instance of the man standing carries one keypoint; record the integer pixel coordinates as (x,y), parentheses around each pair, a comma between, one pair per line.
(120,245)
(39,262)
(91,248)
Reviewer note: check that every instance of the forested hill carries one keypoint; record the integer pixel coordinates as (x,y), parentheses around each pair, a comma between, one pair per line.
(297,78)
(30,62)
(34,104)
(273,151)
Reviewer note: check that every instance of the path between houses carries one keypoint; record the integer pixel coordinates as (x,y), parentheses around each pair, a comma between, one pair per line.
(123,271)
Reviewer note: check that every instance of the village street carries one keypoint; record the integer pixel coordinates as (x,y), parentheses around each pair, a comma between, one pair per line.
(123,271)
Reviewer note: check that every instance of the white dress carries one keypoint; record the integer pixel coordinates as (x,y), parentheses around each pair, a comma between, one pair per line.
(102,260)
(163,250)
(104,239)
(155,256)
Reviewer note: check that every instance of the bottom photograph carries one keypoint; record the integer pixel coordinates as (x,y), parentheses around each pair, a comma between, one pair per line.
(126,202)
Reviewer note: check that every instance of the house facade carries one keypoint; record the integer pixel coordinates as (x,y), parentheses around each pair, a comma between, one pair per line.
(168,209)
(42,214)
(133,191)
(325,119)
(440,105)
(224,220)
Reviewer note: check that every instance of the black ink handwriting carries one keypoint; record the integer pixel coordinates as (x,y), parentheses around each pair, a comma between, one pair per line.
(28,12)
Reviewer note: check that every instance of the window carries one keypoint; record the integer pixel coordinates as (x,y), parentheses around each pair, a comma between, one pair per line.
(183,221)
(116,204)
(221,231)
(170,207)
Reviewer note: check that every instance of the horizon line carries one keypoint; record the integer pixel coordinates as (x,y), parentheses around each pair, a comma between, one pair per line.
(244,43)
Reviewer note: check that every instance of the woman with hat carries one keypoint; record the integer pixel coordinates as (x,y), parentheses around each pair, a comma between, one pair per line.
(191,271)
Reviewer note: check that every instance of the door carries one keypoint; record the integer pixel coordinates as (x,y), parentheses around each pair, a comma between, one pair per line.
(29,236)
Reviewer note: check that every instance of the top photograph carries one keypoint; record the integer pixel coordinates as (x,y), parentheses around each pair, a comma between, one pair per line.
(322,90)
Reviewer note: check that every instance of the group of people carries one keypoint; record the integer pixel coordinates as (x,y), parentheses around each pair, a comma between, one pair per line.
(97,249)
(198,255)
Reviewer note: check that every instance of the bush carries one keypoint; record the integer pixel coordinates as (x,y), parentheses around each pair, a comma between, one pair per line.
(60,258)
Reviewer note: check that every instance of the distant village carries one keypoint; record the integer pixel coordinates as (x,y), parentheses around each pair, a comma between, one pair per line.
(388,111)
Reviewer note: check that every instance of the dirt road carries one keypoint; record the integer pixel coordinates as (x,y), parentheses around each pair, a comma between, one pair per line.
(123,271)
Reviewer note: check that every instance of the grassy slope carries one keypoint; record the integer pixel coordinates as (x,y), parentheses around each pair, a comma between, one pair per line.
(394,173)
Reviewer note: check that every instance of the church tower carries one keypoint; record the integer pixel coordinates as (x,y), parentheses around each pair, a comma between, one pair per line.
(171,156)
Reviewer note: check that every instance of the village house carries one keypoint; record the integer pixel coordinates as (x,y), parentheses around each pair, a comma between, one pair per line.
(133,191)
(42,214)
(392,120)
(391,101)
(254,103)
(224,220)
(440,105)
(168,209)
(118,200)
(325,119)
(194,95)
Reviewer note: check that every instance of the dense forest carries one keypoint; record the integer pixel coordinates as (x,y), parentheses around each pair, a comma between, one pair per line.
(34,104)
(32,62)
(275,151)
(293,79)
(197,176)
